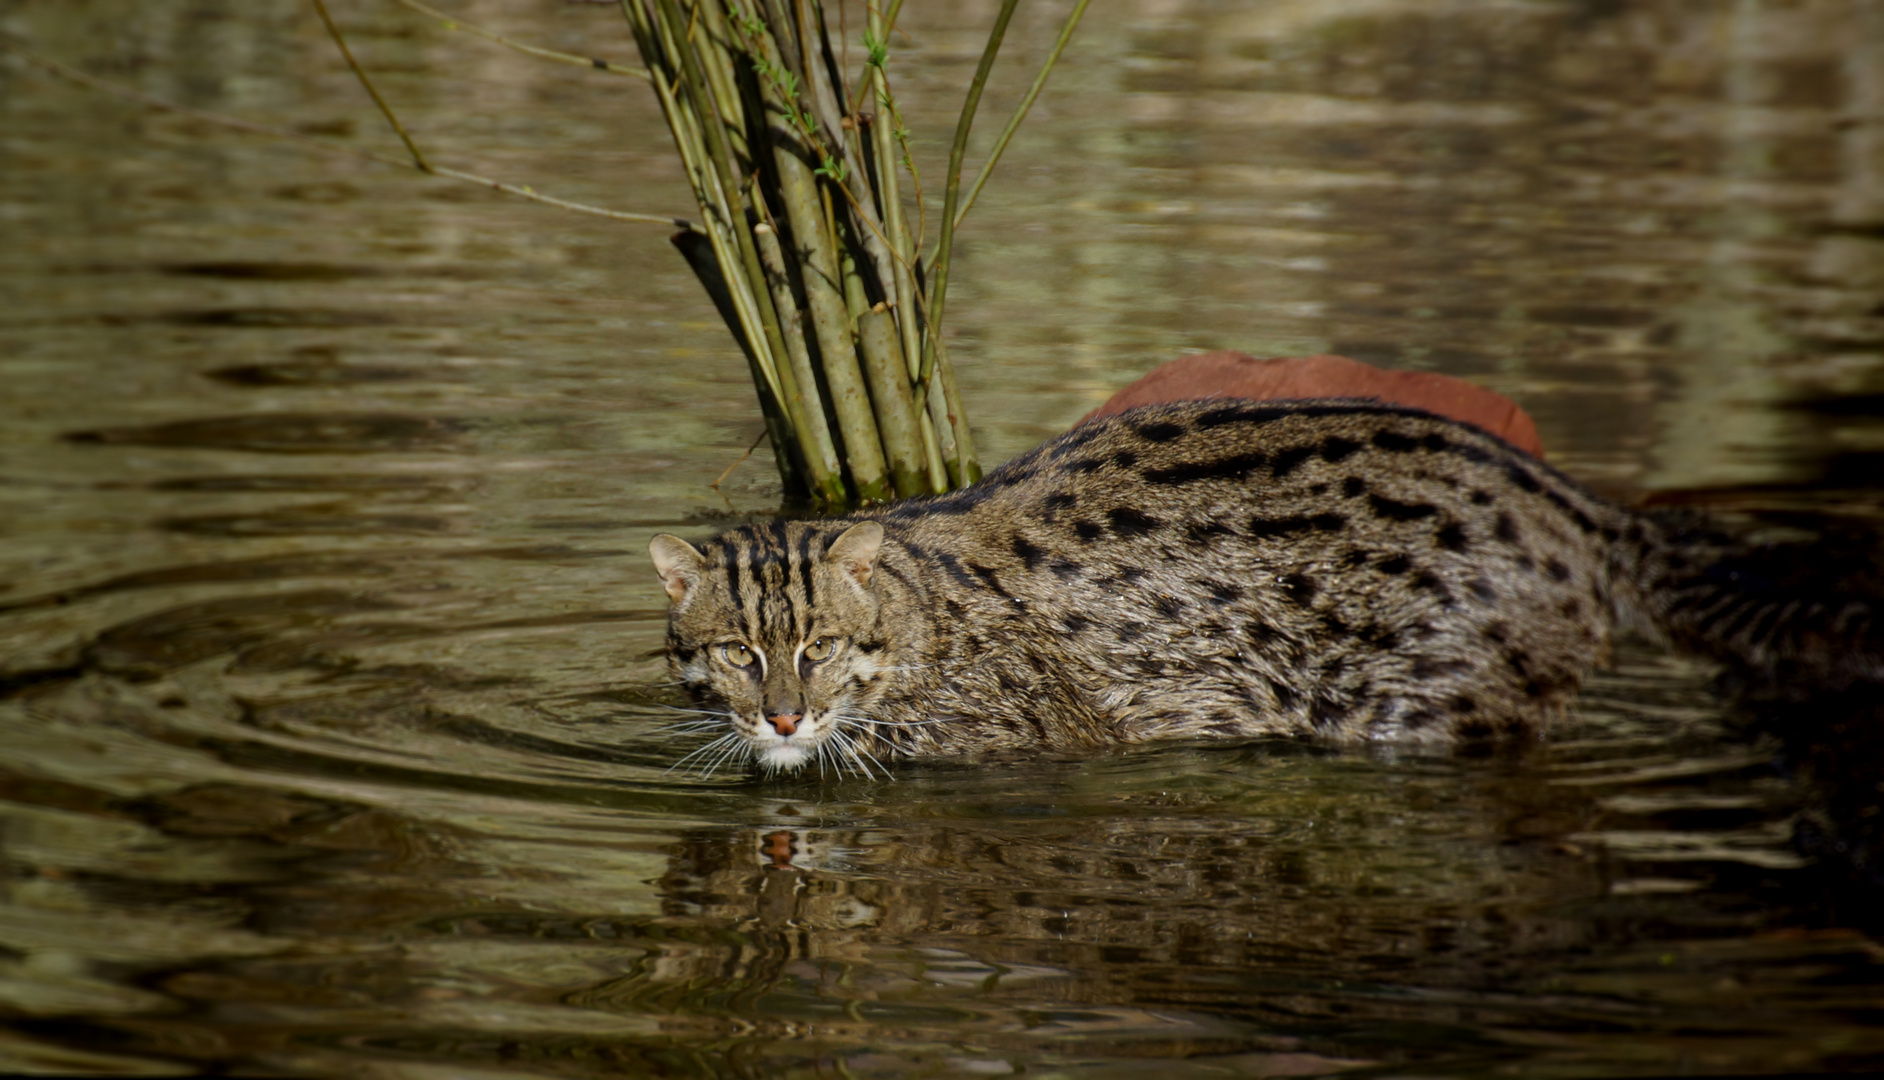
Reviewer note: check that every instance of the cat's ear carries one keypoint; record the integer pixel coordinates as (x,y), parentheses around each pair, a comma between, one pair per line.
(855,551)
(678,562)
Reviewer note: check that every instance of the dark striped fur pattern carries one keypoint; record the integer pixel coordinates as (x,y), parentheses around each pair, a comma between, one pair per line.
(1339,569)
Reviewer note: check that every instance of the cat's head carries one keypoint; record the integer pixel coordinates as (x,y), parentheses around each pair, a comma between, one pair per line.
(779,624)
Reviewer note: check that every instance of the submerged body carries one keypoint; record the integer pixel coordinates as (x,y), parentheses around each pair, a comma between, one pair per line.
(1341,569)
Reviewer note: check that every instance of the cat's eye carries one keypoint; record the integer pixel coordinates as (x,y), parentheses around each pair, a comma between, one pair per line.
(737,655)
(820,649)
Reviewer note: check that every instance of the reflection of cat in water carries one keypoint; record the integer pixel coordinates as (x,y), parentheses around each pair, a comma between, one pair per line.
(1212,569)
(1225,880)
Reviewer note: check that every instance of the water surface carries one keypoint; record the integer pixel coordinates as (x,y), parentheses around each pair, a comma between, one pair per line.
(334,726)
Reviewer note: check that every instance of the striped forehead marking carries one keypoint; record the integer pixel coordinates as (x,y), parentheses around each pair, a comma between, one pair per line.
(769,577)
(734,561)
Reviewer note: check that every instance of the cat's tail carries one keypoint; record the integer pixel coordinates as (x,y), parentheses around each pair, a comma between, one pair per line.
(1747,606)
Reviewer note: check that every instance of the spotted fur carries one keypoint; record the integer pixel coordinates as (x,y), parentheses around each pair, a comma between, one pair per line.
(1342,569)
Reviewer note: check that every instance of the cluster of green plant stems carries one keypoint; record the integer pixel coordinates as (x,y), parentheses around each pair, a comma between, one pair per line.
(806,242)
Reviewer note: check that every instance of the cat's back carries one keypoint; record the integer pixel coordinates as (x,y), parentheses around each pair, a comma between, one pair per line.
(1321,557)
(1196,473)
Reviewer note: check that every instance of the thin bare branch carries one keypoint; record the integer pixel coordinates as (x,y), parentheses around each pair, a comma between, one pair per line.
(938,288)
(340,41)
(715,485)
(452,22)
(525,191)
(326,146)
(1013,124)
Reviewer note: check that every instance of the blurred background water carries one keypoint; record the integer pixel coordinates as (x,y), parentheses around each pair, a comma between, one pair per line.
(330,698)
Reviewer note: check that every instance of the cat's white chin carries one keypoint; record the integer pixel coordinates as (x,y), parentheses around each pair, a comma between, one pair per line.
(784,757)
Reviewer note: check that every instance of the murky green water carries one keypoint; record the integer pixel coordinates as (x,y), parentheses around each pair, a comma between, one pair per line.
(332,726)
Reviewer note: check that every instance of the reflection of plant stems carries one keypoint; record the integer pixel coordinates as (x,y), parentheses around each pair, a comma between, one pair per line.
(1007,133)
(452,22)
(340,42)
(326,146)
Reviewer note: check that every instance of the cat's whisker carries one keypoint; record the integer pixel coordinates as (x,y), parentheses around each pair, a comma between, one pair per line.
(857,752)
(865,751)
(716,734)
(704,749)
(735,744)
(848,749)
(875,730)
(711,765)
(701,712)
(895,723)
(843,759)
(832,747)
(872,728)
(832,743)
(696,752)
(688,727)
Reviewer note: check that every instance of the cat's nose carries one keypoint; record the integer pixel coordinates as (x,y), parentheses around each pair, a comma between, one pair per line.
(784,723)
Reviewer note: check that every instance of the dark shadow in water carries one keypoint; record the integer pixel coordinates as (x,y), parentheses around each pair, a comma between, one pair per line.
(311,521)
(1832,737)
(267,568)
(227,318)
(293,433)
(233,270)
(311,372)
(420,487)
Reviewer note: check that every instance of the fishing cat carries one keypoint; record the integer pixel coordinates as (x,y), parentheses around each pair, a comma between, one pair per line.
(1335,568)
